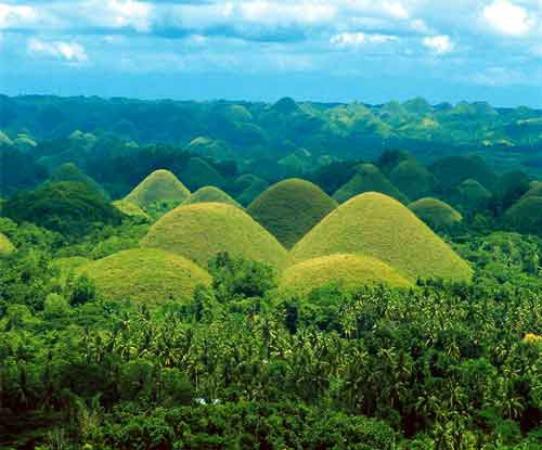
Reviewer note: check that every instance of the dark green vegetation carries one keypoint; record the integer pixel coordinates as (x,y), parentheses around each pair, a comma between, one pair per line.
(68,207)
(289,209)
(372,333)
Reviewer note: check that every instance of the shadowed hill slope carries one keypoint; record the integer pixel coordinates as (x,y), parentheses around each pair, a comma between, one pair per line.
(289,209)
(368,178)
(436,213)
(209,194)
(199,173)
(525,216)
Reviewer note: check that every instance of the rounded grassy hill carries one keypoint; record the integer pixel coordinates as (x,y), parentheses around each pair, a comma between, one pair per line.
(248,187)
(376,225)
(472,195)
(348,271)
(413,179)
(525,215)
(145,275)
(535,189)
(70,172)
(290,208)
(6,247)
(453,170)
(436,213)
(210,194)
(198,173)
(202,230)
(210,148)
(160,187)
(368,178)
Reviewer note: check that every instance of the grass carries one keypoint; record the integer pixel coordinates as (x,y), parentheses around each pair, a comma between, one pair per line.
(376,225)
(453,170)
(70,172)
(249,187)
(131,209)
(146,275)
(69,263)
(472,195)
(202,230)
(368,178)
(6,247)
(413,179)
(436,213)
(525,215)
(348,271)
(198,173)
(290,209)
(210,194)
(161,186)
(535,190)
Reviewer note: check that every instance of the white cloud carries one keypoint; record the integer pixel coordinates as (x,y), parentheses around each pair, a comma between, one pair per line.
(71,52)
(441,44)
(16,15)
(508,18)
(359,39)
(274,12)
(395,9)
(420,26)
(108,14)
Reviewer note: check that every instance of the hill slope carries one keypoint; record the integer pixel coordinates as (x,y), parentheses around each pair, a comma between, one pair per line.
(160,187)
(525,216)
(198,173)
(376,225)
(348,271)
(368,178)
(437,214)
(146,275)
(202,230)
(290,208)
(209,194)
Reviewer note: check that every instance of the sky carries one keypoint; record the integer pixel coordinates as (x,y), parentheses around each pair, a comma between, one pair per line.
(322,50)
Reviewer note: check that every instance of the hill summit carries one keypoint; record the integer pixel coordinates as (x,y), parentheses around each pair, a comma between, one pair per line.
(290,208)
(202,230)
(376,225)
(160,188)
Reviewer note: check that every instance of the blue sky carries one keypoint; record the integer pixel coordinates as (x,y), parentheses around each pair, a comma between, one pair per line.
(332,50)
